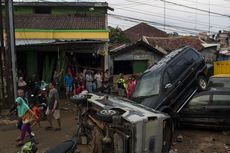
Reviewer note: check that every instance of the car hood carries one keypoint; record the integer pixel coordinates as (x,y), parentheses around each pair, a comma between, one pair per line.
(133,112)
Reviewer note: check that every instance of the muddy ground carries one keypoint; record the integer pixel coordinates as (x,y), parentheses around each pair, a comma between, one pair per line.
(184,141)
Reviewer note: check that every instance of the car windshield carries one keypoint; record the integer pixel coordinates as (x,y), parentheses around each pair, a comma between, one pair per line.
(219,82)
(148,84)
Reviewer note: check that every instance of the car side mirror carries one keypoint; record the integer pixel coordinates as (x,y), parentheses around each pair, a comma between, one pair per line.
(169,85)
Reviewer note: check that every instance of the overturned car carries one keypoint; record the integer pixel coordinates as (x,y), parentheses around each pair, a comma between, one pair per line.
(118,125)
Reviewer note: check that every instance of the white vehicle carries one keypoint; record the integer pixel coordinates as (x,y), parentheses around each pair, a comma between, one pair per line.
(118,125)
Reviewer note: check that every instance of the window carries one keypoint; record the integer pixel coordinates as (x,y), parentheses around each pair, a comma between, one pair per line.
(221,99)
(177,68)
(148,84)
(42,10)
(200,100)
(219,82)
(191,55)
(166,79)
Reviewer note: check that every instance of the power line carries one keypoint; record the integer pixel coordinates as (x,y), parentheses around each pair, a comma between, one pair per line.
(147,4)
(177,4)
(156,23)
(168,28)
(170,17)
(215,5)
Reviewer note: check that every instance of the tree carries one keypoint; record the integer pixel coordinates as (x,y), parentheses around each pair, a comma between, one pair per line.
(173,34)
(116,36)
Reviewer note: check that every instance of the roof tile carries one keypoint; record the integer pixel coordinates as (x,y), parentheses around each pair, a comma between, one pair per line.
(47,21)
(172,43)
(138,31)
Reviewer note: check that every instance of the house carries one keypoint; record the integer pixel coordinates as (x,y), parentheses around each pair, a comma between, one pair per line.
(55,35)
(136,32)
(134,58)
(209,51)
(224,40)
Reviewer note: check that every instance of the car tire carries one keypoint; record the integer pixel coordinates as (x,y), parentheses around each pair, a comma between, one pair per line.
(202,83)
(106,115)
(79,100)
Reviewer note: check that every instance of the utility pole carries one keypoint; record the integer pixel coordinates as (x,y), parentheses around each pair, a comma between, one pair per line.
(2,84)
(209,17)
(164,14)
(10,52)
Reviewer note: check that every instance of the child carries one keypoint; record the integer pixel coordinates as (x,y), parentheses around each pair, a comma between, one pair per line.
(37,112)
(79,88)
(26,115)
(105,87)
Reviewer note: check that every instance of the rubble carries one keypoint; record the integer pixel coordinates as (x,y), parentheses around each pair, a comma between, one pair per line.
(179,138)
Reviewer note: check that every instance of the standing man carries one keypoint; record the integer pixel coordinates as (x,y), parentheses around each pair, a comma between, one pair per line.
(68,80)
(89,81)
(53,110)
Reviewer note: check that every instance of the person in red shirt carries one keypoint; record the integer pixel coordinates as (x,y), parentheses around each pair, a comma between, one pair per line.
(37,112)
(131,86)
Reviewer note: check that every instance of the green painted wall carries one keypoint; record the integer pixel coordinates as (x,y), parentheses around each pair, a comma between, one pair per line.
(62,11)
(31,64)
(139,66)
(78,11)
(23,10)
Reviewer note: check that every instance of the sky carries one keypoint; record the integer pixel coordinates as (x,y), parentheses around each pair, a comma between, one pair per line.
(191,18)
(181,16)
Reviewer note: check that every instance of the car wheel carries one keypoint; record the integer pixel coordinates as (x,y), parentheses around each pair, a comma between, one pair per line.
(202,83)
(106,115)
(78,100)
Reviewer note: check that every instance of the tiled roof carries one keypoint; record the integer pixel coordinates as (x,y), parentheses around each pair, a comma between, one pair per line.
(172,43)
(138,31)
(122,48)
(43,21)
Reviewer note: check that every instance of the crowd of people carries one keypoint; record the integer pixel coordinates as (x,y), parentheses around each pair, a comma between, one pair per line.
(28,109)
(97,81)
(90,80)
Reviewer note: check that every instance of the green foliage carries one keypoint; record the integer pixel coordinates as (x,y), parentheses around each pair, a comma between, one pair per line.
(116,35)
(173,34)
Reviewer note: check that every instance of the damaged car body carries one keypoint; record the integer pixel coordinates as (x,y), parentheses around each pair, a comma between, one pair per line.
(167,85)
(118,125)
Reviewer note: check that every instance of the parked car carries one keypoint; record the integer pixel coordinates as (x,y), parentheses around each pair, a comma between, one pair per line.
(118,125)
(219,81)
(166,85)
(207,109)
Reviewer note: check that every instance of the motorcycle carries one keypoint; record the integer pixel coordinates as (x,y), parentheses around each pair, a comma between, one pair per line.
(42,102)
(68,146)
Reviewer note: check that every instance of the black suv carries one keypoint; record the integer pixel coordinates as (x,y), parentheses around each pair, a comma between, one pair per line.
(166,85)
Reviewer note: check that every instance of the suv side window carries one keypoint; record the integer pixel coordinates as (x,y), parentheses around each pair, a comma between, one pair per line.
(166,79)
(221,100)
(192,54)
(177,68)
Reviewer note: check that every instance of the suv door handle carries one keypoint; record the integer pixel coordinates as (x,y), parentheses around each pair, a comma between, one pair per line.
(203,107)
(179,82)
